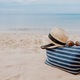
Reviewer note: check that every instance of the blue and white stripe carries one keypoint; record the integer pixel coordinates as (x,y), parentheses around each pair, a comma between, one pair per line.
(67,58)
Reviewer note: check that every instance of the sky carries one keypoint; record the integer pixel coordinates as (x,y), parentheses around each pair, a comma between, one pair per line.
(39,6)
(40,1)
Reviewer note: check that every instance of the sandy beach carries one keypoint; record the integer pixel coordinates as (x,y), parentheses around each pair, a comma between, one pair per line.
(21,58)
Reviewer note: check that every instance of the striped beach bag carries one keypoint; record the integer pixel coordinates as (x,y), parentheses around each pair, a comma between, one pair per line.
(67,58)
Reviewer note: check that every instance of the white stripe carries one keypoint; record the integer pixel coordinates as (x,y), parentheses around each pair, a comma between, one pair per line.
(67,51)
(63,66)
(63,69)
(65,59)
(76,47)
(73,49)
(63,54)
(73,65)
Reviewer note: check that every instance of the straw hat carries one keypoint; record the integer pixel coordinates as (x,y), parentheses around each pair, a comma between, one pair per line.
(57,37)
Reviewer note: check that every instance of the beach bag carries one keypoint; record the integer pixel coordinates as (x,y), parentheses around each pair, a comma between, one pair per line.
(65,58)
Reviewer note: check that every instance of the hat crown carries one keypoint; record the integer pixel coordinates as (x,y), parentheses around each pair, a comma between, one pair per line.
(59,34)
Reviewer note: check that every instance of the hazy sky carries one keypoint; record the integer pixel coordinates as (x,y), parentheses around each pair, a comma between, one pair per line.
(39,6)
(39,1)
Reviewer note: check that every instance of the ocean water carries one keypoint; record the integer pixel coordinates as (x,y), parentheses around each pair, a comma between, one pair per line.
(40,21)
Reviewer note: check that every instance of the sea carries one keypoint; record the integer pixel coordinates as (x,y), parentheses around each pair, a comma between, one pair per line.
(41,22)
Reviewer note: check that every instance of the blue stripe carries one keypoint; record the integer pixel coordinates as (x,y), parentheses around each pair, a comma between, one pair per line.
(63,60)
(65,52)
(70,57)
(74,47)
(76,71)
(70,50)
(67,58)
(64,64)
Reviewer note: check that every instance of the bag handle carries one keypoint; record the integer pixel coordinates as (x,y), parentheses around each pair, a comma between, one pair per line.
(46,46)
(49,45)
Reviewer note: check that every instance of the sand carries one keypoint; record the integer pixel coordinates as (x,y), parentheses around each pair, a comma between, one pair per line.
(21,58)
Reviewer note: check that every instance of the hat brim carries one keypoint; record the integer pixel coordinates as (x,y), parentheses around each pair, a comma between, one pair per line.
(57,45)
(48,41)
